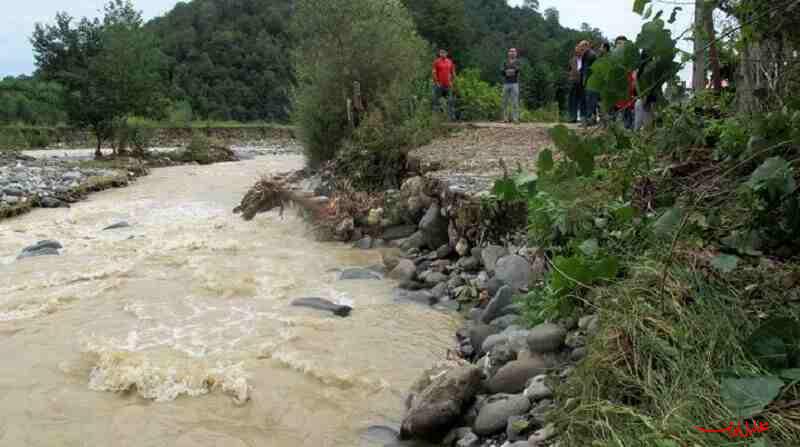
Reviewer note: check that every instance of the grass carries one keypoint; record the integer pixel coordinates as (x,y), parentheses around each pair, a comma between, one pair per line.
(652,372)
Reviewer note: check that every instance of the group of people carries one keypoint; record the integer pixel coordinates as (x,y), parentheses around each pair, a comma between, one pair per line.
(583,102)
(444,74)
(634,112)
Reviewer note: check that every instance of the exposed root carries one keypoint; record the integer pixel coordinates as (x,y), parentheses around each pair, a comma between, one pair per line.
(274,192)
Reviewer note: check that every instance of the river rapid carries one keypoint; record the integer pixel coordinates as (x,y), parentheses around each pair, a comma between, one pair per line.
(177,331)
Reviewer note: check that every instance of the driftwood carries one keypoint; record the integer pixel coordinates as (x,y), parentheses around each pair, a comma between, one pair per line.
(270,193)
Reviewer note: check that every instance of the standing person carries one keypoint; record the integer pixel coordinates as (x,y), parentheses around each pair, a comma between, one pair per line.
(444,74)
(510,71)
(626,107)
(575,89)
(588,57)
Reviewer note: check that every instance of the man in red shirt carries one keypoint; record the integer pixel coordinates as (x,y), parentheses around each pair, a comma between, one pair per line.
(444,73)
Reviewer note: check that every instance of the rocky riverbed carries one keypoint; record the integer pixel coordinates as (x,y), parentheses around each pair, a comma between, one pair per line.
(56,178)
(496,388)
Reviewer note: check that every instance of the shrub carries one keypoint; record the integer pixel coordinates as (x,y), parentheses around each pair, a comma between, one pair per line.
(136,134)
(477,99)
(204,150)
(340,42)
(37,139)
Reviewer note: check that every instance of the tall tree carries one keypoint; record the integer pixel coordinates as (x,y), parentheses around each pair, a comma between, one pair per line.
(700,66)
(109,69)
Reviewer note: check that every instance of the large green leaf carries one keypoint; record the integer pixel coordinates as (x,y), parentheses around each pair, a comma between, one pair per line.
(774,177)
(776,343)
(578,149)
(590,247)
(746,243)
(749,395)
(669,221)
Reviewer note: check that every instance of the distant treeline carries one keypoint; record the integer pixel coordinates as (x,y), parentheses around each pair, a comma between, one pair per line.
(231,59)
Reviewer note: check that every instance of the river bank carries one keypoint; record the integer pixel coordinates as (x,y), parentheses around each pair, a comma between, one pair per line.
(190,307)
(53,179)
(448,249)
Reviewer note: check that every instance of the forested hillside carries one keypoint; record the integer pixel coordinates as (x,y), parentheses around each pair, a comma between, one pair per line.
(231,59)
(228,59)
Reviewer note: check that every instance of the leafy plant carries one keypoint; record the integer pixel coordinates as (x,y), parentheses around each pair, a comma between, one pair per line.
(477,99)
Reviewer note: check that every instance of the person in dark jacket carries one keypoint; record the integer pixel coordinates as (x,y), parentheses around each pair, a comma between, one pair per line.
(575,88)
(588,56)
(510,71)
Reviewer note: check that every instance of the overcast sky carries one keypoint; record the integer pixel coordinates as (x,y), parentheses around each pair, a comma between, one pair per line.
(612,17)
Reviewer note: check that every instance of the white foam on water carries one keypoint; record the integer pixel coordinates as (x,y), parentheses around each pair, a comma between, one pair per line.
(164,378)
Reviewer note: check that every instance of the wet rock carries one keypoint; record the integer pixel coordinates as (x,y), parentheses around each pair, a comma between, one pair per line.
(513,377)
(391,257)
(514,271)
(440,291)
(364,243)
(493,417)
(399,232)
(410,284)
(577,354)
(117,225)
(490,255)
(482,280)
(41,248)
(51,202)
(494,285)
(444,251)
(500,355)
(469,264)
(404,271)
(455,434)
(479,333)
(503,298)
(512,335)
(436,278)
(418,296)
(546,338)
(380,434)
(541,436)
(72,175)
(437,408)
(505,321)
(537,389)
(359,274)
(434,228)
(323,304)
(415,241)
(575,340)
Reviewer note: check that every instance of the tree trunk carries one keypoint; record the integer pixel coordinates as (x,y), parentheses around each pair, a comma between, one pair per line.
(713,54)
(699,75)
(98,154)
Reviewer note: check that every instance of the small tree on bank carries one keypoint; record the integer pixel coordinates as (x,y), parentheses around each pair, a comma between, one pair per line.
(340,42)
(110,70)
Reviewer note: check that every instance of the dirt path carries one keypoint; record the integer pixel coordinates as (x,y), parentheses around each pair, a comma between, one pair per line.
(469,158)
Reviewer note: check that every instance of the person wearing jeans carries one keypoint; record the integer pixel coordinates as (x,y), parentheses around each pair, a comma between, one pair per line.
(444,73)
(510,71)
(588,57)
(575,88)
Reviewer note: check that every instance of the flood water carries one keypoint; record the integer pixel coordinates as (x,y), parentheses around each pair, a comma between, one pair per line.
(177,331)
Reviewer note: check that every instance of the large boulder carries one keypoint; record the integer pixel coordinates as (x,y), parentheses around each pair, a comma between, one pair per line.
(513,270)
(415,241)
(479,333)
(493,417)
(434,228)
(513,377)
(404,270)
(491,254)
(546,338)
(399,232)
(503,298)
(434,411)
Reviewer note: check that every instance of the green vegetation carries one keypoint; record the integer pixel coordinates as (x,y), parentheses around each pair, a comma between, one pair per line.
(373,43)
(109,70)
(31,101)
(684,240)
(227,60)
